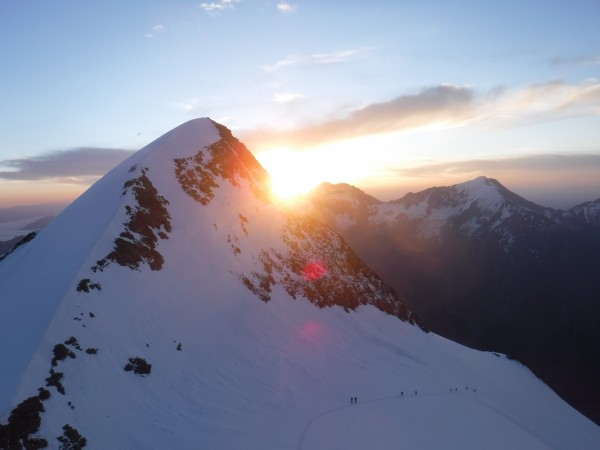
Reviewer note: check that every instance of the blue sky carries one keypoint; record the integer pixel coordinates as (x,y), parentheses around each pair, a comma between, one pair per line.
(390,96)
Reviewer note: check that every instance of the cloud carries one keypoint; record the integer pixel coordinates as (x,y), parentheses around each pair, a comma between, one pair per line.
(574,61)
(189,106)
(562,163)
(156,29)
(543,101)
(286,8)
(286,97)
(408,111)
(221,5)
(320,59)
(446,106)
(78,165)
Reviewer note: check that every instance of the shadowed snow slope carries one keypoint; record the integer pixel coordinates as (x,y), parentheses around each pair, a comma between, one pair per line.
(174,306)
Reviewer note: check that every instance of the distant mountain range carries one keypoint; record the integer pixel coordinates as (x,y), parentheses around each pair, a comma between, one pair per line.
(19,221)
(489,269)
(29,212)
(174,306)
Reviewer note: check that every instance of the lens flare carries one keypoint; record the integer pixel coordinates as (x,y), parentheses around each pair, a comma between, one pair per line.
(314,271)
(311,332)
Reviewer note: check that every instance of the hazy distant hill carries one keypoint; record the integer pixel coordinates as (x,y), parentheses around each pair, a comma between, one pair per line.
(15,213)
(19,221)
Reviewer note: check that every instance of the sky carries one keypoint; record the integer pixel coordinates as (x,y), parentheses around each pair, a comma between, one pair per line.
(390,96)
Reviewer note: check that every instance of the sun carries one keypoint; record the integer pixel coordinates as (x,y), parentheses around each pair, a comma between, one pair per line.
(293,174)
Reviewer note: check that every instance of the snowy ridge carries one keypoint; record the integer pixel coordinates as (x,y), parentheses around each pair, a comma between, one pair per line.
(174,306)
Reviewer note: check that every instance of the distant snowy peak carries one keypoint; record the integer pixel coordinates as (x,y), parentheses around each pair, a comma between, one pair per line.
(476,206)
(587,213)
(486,195)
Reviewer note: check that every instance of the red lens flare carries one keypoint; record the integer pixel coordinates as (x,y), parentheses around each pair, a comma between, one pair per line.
(314,271)
(311,332)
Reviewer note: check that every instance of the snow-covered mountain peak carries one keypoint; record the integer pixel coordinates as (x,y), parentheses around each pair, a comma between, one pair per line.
(479,182)
(179,236)
(174,306)
(469,205)
(481,191)
(184,140)
(481,188)
(588,212)
(486,193)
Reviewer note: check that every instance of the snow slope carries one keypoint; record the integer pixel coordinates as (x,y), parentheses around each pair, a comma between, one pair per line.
(258,324)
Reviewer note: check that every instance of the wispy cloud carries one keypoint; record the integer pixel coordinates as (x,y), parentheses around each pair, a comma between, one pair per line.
(221,5)
(286,97)
(287,8)
(563,163)
(156,30)
(321,59)
(78,165)
(188,106)
(574,61)
(543,101)
(431,105)
(447,106)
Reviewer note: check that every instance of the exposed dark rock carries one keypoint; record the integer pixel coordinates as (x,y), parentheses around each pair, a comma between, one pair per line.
(23,421)
(243,223)
(227,159)
(233,242)
(72,341)
(60,353)
(86,285)
(138,365)
(149,221)
(44,394)
(54,380)
(71,439)
(321,267)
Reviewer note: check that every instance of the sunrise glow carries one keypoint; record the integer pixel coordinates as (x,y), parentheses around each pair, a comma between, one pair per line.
(293,173)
